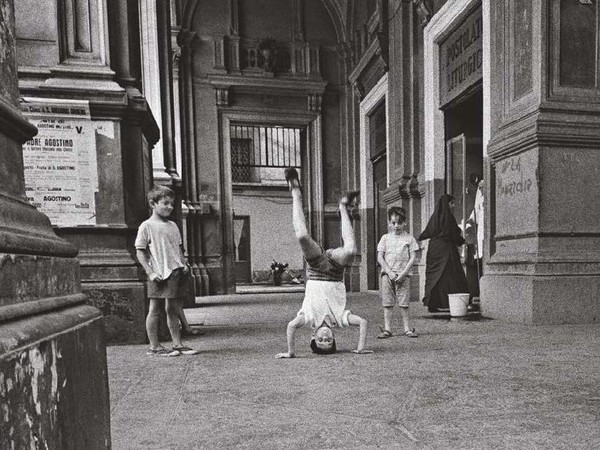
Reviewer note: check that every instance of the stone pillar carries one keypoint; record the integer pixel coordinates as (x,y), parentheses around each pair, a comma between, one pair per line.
(543,261)
(53,376)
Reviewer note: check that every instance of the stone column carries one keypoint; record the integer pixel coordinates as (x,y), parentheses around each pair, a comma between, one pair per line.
(543,181)
(53,376)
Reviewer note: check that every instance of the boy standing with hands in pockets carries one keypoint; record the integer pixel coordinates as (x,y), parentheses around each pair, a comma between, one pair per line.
(159,249)
(396,254)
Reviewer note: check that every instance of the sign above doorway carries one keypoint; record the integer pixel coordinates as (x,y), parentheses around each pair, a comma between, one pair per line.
(461,58)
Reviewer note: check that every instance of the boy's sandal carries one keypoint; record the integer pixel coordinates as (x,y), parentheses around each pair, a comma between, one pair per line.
(162,351)
(384,334)
(191,332)
(411,333)
(184,350)
(292,178)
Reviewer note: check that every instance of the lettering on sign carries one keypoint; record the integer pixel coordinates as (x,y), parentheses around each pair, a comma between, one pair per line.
(461,58)
(60,164)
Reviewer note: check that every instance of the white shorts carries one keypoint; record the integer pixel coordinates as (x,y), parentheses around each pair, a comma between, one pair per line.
(325,301)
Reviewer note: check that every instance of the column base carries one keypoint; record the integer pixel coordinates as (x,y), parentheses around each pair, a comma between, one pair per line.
(541,300)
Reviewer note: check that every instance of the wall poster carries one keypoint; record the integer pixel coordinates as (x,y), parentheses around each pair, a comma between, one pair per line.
(61,172)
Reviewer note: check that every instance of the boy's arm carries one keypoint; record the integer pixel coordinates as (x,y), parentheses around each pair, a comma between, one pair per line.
(384,266)
(407,270)
(186,266)
(144,258)
(353,319)
(294,324)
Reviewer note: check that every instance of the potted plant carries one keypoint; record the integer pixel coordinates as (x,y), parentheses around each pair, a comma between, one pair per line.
(277,270)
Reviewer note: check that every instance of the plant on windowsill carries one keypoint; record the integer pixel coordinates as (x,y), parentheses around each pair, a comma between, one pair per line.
(277,270)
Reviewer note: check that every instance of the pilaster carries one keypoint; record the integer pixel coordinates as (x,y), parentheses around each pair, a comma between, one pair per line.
(544,262)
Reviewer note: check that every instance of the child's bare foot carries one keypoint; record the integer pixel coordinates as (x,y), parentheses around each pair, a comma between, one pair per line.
(285,355)
(291,176)
(362,352)
(349,198)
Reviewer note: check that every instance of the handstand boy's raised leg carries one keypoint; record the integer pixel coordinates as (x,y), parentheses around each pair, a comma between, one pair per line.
(310,248)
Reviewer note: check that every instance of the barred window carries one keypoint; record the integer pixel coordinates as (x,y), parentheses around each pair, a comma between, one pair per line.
(259,153)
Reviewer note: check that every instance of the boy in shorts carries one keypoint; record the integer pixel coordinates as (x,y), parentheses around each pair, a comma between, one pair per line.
(396,254)
(159,249)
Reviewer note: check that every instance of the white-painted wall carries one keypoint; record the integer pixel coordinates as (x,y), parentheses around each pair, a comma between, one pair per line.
(271,231)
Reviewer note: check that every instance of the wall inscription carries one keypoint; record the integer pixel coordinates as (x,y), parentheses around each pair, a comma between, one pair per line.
(516,195)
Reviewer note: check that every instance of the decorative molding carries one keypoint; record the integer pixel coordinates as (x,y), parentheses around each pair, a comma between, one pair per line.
(234,54)
(83,32)
(219,54)
(270,85)
(185,38)
(424,11)
(358,88)
(222,96)
(176,55)
(298,8)
(374,60)
(315,102)
(393,193)
(234,17)
(13,124)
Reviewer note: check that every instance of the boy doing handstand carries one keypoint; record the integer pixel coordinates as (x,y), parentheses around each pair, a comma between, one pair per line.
(324,305)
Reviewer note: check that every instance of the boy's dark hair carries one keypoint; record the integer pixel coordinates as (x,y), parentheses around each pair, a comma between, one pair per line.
(397,211)
(322,351)
(158,192)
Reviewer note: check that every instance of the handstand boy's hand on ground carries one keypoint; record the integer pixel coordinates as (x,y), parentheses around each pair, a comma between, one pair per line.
(285,355)
(362,352)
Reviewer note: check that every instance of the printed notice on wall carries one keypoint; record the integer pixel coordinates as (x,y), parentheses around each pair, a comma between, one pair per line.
(61,173)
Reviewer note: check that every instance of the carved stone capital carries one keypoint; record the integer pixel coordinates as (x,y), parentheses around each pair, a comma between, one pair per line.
(315,102)
(423,10)
(185,38)
(222,95)
(358,88)
(176,55)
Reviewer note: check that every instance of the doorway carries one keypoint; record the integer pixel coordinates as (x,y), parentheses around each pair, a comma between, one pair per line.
(241,238)
(463,172)
(378,157)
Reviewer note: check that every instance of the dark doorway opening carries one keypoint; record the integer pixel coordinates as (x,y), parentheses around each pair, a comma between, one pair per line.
(464,169)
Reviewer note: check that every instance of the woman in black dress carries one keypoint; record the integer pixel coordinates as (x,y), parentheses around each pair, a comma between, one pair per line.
(444,273)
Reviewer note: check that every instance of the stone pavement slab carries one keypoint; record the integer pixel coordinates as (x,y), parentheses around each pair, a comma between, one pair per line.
(463,384)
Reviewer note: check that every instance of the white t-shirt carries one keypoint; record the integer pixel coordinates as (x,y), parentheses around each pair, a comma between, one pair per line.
(163,240)
(397,249)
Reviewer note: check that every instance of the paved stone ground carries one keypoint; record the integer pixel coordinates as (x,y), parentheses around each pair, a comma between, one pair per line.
(463,384)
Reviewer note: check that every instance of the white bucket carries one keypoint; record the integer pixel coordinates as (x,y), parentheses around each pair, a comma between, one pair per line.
(458,304)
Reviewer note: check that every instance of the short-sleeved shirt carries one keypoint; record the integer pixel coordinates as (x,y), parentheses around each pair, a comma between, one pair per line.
(163,241)
(396,249)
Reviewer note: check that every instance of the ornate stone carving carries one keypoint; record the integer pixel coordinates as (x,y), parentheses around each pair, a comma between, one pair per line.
(315,102)
(423,10)
(222,96)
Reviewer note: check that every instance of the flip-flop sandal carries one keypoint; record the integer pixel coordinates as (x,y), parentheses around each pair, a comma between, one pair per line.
(192,332)
(291,175)
(385,334)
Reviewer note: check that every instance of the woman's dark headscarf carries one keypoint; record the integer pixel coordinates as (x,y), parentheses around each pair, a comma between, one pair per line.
(442,222)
